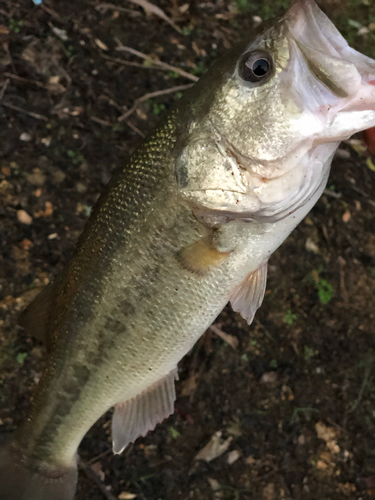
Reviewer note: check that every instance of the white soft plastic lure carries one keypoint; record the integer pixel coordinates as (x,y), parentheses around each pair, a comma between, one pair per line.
(188,225)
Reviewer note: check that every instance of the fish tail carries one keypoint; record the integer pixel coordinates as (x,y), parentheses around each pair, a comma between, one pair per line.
(19,480)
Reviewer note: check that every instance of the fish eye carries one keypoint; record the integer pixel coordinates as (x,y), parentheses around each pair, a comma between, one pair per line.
(256,67)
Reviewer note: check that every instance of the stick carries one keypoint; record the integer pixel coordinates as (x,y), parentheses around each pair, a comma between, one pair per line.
(156,62)
(229,339)
(26,80)
(136,129)
(103,7)
(150,7)
(89,473)
(138,101)
(24,111)
(125,63)
(3,90)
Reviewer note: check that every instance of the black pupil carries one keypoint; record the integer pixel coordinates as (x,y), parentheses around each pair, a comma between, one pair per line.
(261,67)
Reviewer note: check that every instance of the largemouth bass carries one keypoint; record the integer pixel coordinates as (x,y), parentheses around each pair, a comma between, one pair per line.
(186,226)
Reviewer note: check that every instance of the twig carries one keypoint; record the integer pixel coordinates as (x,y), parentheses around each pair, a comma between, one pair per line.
(101,455)
(3,90)
(138,101)
(125,63)
(150,7)
(103,7)
(155,62)
(94,477)
(229,339)
(101,122)
(363,387)
(26,80)
(24,111)
(136,129)
(332,194)
(51,12)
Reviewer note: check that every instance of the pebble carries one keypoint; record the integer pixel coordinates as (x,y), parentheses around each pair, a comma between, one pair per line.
(24,217)
(25,137)
(269,378)
(81,188)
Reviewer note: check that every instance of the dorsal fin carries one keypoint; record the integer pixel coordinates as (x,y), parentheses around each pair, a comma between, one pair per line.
(248,296)
(137,416)
(35,318)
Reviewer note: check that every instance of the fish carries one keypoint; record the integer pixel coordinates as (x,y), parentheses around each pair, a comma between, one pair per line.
(187,225)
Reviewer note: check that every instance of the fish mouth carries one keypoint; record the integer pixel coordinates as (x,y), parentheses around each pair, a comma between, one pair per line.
(343,94)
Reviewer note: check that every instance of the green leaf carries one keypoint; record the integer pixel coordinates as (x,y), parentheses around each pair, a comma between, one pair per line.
(21,357)
(289,317)
(325,291)
(174,432)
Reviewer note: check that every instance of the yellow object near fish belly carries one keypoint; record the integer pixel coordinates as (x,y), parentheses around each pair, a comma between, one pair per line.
(186,226)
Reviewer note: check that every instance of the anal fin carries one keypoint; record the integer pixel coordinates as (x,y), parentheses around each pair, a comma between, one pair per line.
(137,416)
(248,296)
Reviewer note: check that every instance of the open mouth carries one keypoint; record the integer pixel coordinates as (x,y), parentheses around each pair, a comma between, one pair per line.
(345,76)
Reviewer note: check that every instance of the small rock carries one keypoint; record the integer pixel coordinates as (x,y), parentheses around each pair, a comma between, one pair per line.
(25,137)
(81,188)
(24,217)
(269,378)
(311,246)
(346,217)
(46,141)
(301,440)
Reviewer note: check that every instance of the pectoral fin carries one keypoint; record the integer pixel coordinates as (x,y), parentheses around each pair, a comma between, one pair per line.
(137,416)
(248,296)
(201,256)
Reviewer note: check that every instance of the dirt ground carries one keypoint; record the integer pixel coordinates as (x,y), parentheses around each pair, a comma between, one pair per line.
(293,398)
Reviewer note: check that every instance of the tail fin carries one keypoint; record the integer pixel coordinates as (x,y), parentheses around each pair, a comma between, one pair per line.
(18,481)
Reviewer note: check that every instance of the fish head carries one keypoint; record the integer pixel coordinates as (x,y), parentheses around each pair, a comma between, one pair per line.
(268,117)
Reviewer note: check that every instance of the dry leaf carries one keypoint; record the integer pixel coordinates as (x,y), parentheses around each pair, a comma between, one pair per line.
(126,495)
(233,456)
(214,448)
(101,44)
(328,434)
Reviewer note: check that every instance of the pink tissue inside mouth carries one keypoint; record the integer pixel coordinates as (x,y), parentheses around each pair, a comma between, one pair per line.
(369,134)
